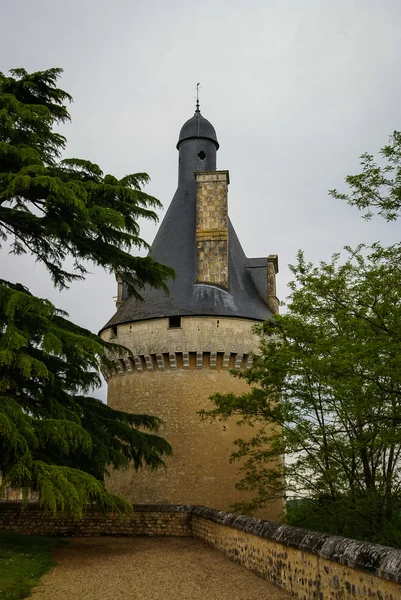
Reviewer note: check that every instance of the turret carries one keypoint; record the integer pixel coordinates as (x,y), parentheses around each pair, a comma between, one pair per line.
(197,146)
(196,238)
(184,345)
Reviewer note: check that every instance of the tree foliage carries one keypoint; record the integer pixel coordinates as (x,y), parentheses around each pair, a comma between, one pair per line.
(56,208)
(378,186)
(333,359)
(54,437)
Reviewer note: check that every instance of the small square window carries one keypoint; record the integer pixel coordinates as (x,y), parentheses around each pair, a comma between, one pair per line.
(174,322)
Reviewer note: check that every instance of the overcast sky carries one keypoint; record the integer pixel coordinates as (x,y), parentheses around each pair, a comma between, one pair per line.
(296,90)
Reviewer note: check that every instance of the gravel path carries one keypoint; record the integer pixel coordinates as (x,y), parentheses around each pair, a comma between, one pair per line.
(146,568)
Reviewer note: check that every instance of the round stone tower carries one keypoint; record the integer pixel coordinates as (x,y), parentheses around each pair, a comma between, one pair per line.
(185,344)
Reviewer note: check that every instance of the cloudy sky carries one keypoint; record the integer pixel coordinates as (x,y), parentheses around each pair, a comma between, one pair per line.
(296,90)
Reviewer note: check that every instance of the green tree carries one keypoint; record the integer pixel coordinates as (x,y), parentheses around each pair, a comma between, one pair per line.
(333,359)
(53,438)
(55,208)
(378,186)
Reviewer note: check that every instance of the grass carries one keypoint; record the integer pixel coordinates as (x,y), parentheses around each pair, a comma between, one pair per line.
(23,560)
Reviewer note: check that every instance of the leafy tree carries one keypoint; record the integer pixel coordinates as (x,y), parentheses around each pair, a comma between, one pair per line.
(53,439)
(379,185)
(55,208)
(333,359)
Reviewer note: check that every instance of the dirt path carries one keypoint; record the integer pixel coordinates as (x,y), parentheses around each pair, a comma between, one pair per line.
(149,569)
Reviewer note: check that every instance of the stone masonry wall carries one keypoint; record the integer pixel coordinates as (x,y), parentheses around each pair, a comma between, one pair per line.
(311,565)
(201,342)
(172,373)
(148,520)
(212,228)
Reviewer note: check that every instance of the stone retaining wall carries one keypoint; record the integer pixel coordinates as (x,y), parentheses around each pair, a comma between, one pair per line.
(311,565)
(144,520)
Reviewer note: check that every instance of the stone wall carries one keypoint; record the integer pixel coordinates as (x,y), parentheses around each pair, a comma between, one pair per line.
(211,343)
(171,374)
(17,495)
(144,520)
(311,565)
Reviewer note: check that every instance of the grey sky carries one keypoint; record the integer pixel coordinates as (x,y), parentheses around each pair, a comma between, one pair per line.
(296,90)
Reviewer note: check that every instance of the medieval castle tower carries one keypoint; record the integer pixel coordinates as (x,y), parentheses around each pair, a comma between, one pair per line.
(184,344)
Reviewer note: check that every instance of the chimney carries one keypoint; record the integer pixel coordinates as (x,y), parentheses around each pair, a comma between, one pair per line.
(212,227)
(272,269)
(119,298)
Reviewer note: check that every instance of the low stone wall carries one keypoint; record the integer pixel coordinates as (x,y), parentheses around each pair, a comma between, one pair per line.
(144,520)
(311,565)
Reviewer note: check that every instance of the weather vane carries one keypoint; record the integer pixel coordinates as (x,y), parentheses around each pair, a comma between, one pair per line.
(197,97)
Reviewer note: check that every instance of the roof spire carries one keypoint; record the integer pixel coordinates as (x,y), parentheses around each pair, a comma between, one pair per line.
(197,98)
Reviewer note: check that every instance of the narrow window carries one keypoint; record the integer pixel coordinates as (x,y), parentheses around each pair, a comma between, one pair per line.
(174,322)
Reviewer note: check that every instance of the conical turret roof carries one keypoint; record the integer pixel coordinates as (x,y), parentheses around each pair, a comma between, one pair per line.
(175,246)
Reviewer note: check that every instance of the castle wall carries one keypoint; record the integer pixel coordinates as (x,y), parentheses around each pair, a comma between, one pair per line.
(172,373)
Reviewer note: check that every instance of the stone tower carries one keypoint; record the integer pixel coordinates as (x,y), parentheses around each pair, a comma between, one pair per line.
(184,344)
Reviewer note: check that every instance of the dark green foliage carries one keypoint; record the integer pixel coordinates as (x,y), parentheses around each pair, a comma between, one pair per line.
(54,438)
(54,209)
(379,185)
(333,359)
(346,517)
(23,560)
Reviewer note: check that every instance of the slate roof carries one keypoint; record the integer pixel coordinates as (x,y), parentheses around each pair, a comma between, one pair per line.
(175,246)
(198,127)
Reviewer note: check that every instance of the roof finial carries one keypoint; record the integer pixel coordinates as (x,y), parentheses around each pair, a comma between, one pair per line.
(197,98)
